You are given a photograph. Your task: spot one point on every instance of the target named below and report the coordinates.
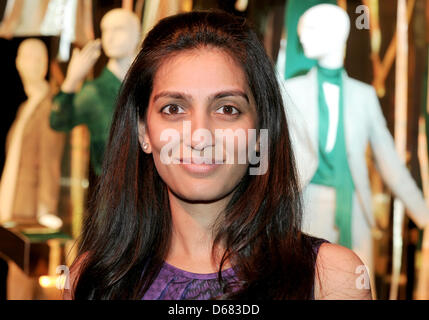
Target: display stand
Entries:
(28, 246)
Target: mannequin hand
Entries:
(80, 63)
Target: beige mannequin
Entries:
(30, 182)
(32, 65)
(120, 36)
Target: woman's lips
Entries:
(199, 166)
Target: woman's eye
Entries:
(172, 109)
(228, 110)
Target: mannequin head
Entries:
(120, 29)
(32, 61)
(323, 31)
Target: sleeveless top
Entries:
(173, 283)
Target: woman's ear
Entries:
(144, 138)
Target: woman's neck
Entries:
(192, 234)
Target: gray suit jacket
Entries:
(364, 123)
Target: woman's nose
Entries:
(201, 130)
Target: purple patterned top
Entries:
(173, 283)
(176, 284)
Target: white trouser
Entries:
(319, 221)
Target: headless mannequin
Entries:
(120, 37)
(324, 40)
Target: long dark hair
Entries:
(127, 236)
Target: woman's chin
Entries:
(200, 193)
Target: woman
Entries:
(185, 229)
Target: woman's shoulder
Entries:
(340, 273)
(316, 243)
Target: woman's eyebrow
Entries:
(217, 95)
(230, 93)
(172, 94)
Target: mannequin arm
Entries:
(80, 64)
(393, 171)
(70, 108)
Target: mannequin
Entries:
(348, 113)
(328, 51)
(94, 103)
(29, 187)
(30, 182)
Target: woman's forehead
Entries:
(199, 70)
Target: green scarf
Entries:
(333, 169)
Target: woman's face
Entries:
(197, 95)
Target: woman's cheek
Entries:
(168, 146)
